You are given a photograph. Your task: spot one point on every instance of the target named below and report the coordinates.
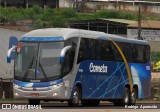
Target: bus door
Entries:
(88, 80)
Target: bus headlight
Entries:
(17, 86)
(55, 86)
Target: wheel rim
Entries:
(76, 97)
(133, 97)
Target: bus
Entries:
(80, 66)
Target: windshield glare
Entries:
(38, 61)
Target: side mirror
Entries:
(13, 42)
(9, 54)
(63, 52)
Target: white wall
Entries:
(152, 36)
(147, 34)
(65, 3)
(123, 7)
(4, 43)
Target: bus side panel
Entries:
(111, 86)
(102, 80)
(87, 80)
(141, 75)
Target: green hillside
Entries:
(55, 17)
(60, 17)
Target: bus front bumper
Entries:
(56, 92)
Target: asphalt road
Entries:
(63, 107)
(101, 106)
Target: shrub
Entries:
(3, 19)
(38, 24)
(129, 16)
(59, 21)
(155, 56)
(107, 14)
(68, 13)
(37, 9)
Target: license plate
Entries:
(34, 94)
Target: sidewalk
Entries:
(26, 101)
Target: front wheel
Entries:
(76, 98)
(33, 101)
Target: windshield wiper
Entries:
(40, 65)
(28, 68)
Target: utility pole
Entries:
(0, 10)
(139, 22)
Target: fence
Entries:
(6, 88)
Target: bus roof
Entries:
(55, 34)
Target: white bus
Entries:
(73, 65)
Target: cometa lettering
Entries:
(97, 68)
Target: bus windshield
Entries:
(38, 62)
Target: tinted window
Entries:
(71, 41)
(92, 49)
(105, 50)
(70, 55)
(135, 53)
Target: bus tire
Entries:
(133, 96)
(126, 96)
(90, 102)
(33, 101)
(125, 100)
(76, 98)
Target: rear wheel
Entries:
(125, 100)
(76, 98)
(133, 96)
(126, 96)
(33, 101)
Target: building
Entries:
(124, 5)
(150, 32)
(126, 28)
(6, 70)
(86, 5)
(112, 26)
(30, 3)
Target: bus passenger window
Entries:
(146, 54)
(94, 50)
(107, 51)
(135, 54)
(84, 50)
(69, 60)
(80, 55)
(97, 50)
(81, 50)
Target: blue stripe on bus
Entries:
(37, 84)
(110, 84)
(59, 38)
